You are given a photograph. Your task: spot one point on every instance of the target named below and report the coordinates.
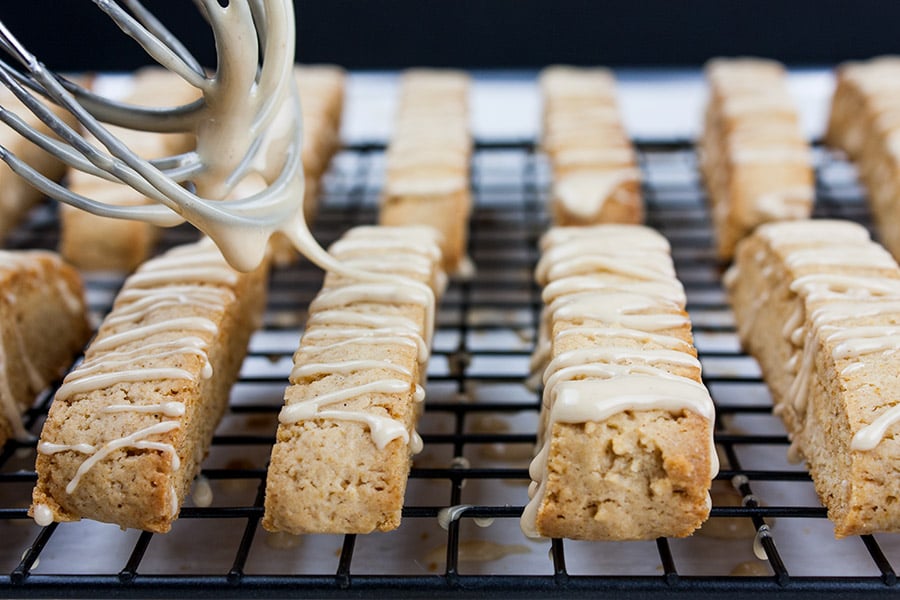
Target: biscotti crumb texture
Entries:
(755, 161)
(128, 428)
(625, 440)
(347, 430)
(818, 304)
(595, 174)
(43, 325)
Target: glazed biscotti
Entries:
(595, 174)
(427, 170)
(865, 124)
(321, 89)
(818, 303)
(43, 326)
(864, 103)
(128, 428)
(347, 430)
(754, 158)
(625, 439)
(91, 242)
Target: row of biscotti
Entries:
(625, 427)
(92, 243)
(865, 124)
(595, 174)
(754, 158)
(426, 178)
(130, 425)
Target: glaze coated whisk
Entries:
(247, 126)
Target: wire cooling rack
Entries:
(479, 430)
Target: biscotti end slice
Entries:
(625, 432)
(632, 476)
(818, 303)
(128, 428)
(94, 243)
(597, 196)
(443, 203)
(347, 430)
(44, 326)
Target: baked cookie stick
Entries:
(865, 124)
(129, 426)
(427, 171)
(342, 454)
(44, 325)
(321, 89)
(625, 440)
(818, 304)
(595, 174)
(754, 158)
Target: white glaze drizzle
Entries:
(830, 301)
(339, 320)
(609, 376)
(122, 353)
(134, 440)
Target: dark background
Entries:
(377, 34)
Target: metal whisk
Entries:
(247, 123)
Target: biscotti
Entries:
(91, 242)
(347, 430)
(427, 169)
(321, 89)
(625, 437)
(754, 158)
(864, 102)
(43, 326)
(818, 303)
(18, 196)
(595, 174)
(865, 124)
(128, 428)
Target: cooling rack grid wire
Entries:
(479, 430)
